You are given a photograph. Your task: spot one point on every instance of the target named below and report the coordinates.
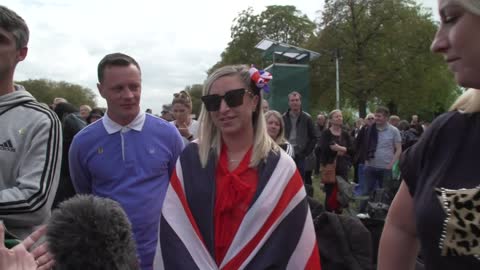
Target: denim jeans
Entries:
(300, 162)
(358, 190)
(373, 178)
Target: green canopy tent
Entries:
(290, 70)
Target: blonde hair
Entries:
(330, 115)
(394, 117)
(209, 138)
(281, 133)
(468, 102)
(86, 107)
(182, 97)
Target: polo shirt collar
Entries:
(113, 127)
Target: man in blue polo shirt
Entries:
(128, 156)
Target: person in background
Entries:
(299, 131)
(276, 130)
(128, 155)
(167, 113)
(85, 111)
(148, 111)
(265, 106)
(57, 101)
(383, 148)
(235, 199)
(337, 147)
(320, 127)
(94, 115)
(359, 123)
(408, 134)
(394, 120)
(360, 145)
(436, 208)
(182, 111)
(72, 123)
(415, 123)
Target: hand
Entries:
(337, 148)
(183, 129)
(17, 258)
(334, 147)
(43, 257)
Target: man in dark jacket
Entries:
(72, 123)
(299, 130)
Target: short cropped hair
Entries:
(294, 94)
(14, 24)
(89, 109)
(383, 110)
(394, 117)
(114, 59)
(88, 232)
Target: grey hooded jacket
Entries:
(30, 158)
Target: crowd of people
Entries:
(233, 189)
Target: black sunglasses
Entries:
(233, 98)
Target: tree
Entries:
(281, 23)
(46, 90)
(385, 57)
(286, 24)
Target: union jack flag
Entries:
(276, 233)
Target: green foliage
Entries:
(385, 57)
(46, 90)
(286, 24)
(281, 23)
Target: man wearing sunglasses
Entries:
(129, 155)
(299, 130)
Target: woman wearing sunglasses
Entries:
(438, 204)
(235, 199)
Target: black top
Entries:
(442, 174)
(306, 134)
(328, 156)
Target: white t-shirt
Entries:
(192, 128)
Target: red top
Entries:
(234, 194)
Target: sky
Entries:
(175, 42)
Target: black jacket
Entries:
(344, 242)
(366, 144)
(306, 134)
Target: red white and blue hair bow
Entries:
(260, 78)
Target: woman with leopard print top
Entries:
(438, 205)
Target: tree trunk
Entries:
(392, 107)
(362, 108)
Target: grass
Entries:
(318, 193)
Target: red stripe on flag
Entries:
(289, 192)
(177, 187)
(314, 260)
